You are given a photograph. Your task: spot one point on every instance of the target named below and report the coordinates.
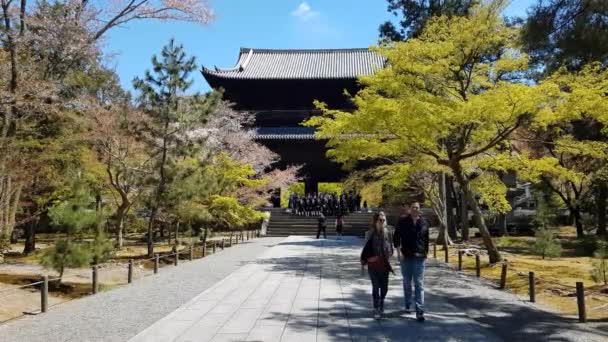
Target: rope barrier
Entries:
(21, 287)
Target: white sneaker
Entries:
(377, 314)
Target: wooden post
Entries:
(156, 262)
(230, 243)
(44, 294)
(191, 256)
(222, 245)
(205, 250)
(477, 266)
(435, 250)
(459, 260)
(532, 287)
(213, 246)
(503, 276)
(95, 280)
(580, 299)
(176, 261)
(130, 277)
(446, 251)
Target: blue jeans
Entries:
(412, 268)
(379, 287)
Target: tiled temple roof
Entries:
(274, 64)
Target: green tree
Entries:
(76, 217)
(414, 14)
(600, 264)
(173, 117)
(546, 244)
(570, 33)
(448, 100)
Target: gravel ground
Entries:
(120, 314)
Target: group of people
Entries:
(314, 204)
(411, 240)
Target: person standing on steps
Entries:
(339, 226)
(322, 225)
(376, 253)
(411, 238)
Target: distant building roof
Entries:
(273, 64)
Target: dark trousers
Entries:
(379, 287)
(322, 228)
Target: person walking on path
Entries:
(322, 225)
(339, 226)
(411, 238)
(376, 253)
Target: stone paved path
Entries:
(312, 290)
(121, 313)
(297, 289)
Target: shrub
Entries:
(546, 245)
(600, 264)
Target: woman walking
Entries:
(376, 253)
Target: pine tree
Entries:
(76, 216)
(546, 245)
(173, 117)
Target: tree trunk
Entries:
(150, 237)
(121, 213)
(30, 237)
(119, 235)
(578, 222)
(464, 217)
(493, 252)
(502, 224)
(452, 207)
(602, 194)
(176, 231)
(443, 238)
(442, 214)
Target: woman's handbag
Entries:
(378, 264)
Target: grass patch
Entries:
(555, 278)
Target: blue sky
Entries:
(254, 23)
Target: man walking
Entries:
(322, 226)
(411, 238)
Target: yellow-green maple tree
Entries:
(445, 101)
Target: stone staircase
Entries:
(284, 224)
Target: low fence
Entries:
(532, 280)
(190, 253)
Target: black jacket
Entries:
(368, 252)
(412, 238)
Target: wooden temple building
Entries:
(280, 86)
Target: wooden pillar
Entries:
(311, 186)
(95, 280)
(130, 275)
(44, 294)
(580, 299)
(156, 262)
(503, 276)
(477, 266)
(460, 260)
(176, 260)
(532, 287)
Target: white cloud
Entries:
(304, 12)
